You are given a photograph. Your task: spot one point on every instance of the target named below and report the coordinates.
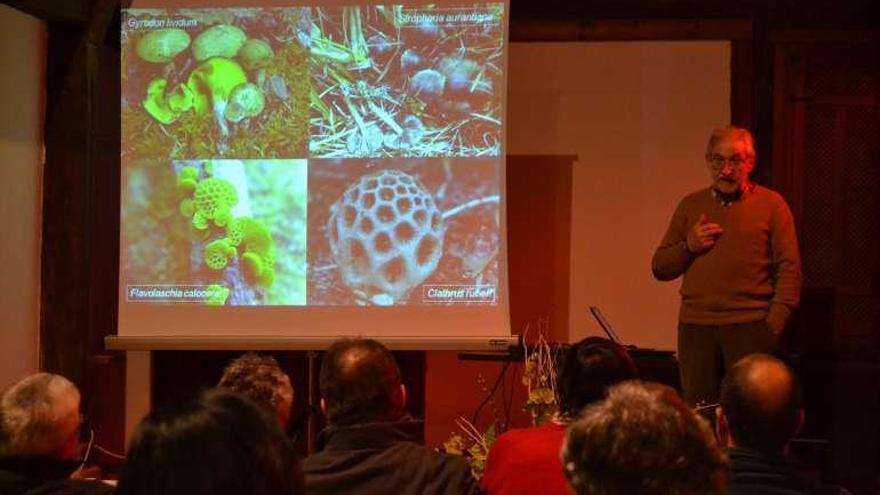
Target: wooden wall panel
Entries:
(538, 241)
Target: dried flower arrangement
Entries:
(539, 378)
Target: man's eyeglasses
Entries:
(718, 161)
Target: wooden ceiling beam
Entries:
(75, 11)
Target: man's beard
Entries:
(729, 196)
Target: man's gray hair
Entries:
(642, 439)
(31, 415)
(734, 133)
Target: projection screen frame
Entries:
(277, 343)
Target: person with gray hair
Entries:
(642, 439)
(40, 416)
(261, 379)
(39, 438)
(734, 245)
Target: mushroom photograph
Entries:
(236, 227)
(228, 83)
(380, 230)
(392, 81)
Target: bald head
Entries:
(360, 383)
(761, 403)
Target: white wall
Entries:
(22, 54)
(638, 115)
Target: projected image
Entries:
(402, 81)
(218, 232)
(215, 83)
(386, 232)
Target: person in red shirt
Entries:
(526, 461)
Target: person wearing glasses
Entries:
(40, 424)
(734, 245)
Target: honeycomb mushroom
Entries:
(386, 235)
(222, 40)
(162, 45)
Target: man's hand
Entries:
(703, 235)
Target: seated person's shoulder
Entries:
(514, 440)
(73, 487)
(414, 451)
(442, 465)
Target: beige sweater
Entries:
(752, 273)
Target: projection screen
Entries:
(313, 170)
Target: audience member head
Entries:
(588, 369)
(642, 439)
(360, 383)
(260, 379)
(760, 405)
(39, 416)
(221, 443)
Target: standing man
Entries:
(735, 244)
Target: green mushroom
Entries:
(180, 99)
(162, 45)
(188, 172)
(166, 109)
(213, 199)
(253, 237)
(245, 101)
(252, 266)
(258, 269)
(217, 295)
(211, 85)
(222, 40)
(255, 54)
(187, 207)
(199, 234)
(187, 180)
(218, 253)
